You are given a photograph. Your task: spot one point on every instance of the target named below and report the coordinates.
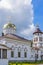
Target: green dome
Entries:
(9, 25)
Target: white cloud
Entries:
(5, 4)
(21, 12)
(29, 30)
(13, 4)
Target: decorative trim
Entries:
(5, 46)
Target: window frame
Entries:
(19, 54)
(25, 54)
(12, 54)
(4, 53)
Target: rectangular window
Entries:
(18, 54)
(25, 54)
(36, 39)
(40, 38)
(36, 56)
(4, 53)
(12, 53)
(40, 44)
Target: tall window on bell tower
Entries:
(35, 39)
(40, 38)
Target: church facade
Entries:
(16, 48)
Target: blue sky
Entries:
(38, 13)
(25, 14)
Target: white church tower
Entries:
(37, 37)
(37, 43)
(9, 28)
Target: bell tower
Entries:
(37, 37)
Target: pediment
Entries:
(15, 37)
(2, 46)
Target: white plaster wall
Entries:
(15, 45)
(3, 61)
(22, 47)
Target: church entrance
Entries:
(3, 53)
(41, 57)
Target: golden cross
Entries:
(9, 18)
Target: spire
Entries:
(9, 19)
(37, 29)
(37, 26)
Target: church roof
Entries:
(37, 30)
(5, 46)
(9, 25)
(15, 37)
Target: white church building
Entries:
(16, 48)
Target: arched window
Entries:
(25, 52)
(19, 52)
(12, 47)
(12, 53)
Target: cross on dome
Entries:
(37, 26)
(37, 30)
(9, 24)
